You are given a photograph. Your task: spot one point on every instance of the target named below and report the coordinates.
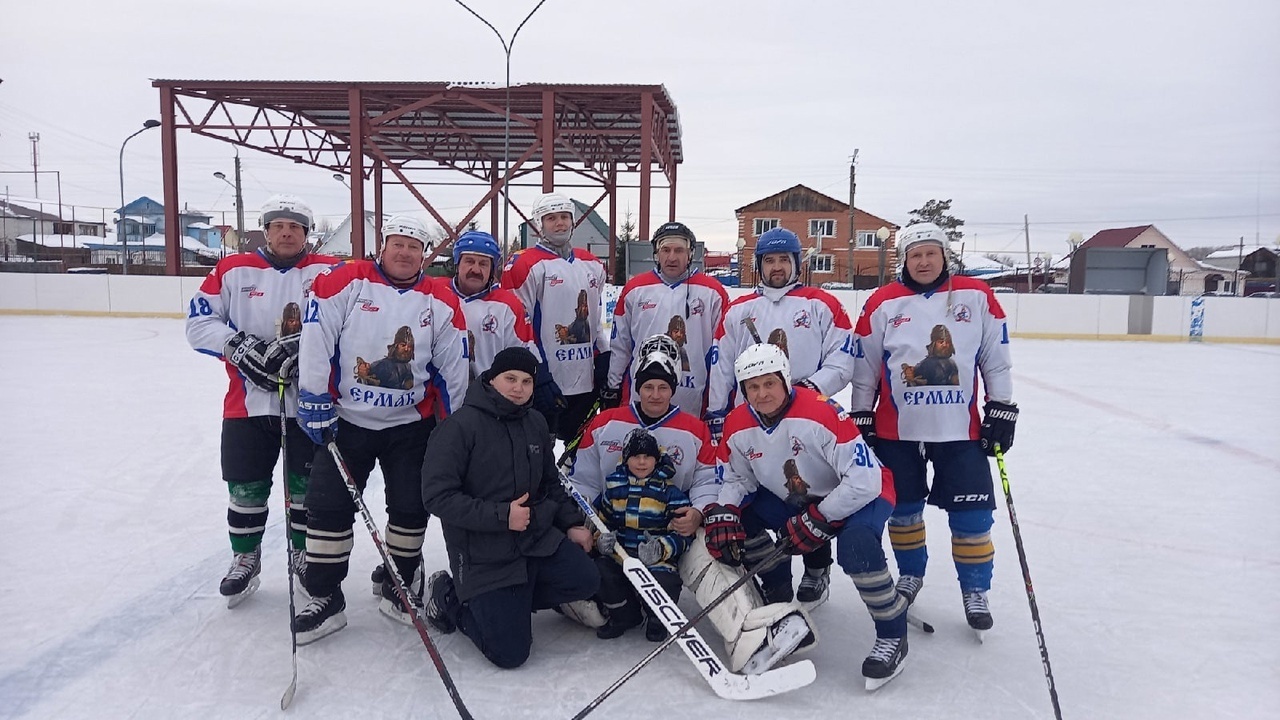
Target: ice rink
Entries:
(1145, 475)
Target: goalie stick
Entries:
(398, 581)
(724, 682)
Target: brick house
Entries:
(822, 223)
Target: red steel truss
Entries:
(419, 134)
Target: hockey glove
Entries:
(807, 384)
(602, 370)
(998, 422)
(285, 349)
(715, 425)
(725, 533)
(665, 469)
(249, 354)
(318, 417)
(866, 422)
(547, 398)
(610, 398)
(606, 543)
(808, 531)
(651, 551)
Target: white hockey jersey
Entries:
(921, 354)
(495, 321)
(810, 326)
(814, 453)
(680, 435)
(689, 311)
(246, 292)
(562, 298)
(389, 355)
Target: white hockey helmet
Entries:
(408, 226)
(286, 207)
(762, 359)
(920, 233)
(548, 204)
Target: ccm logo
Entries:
(979, 497)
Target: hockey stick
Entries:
(750, 322)
(398, 581)
(726, 683)
(1026, 578)
(571, 448)
(287, 698)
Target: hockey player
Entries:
(638, 504)
(814, 332)
(496, 319)
(922, 342)
(676, 299)
(847, 495)
(245, 314)
(682, 436)
(515, 540)
(357, 309)
(560, 288)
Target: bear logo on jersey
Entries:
(797, 447)
(489, 324)
(801, 319)
(425, 317)
(962, 313)
(938, 367)
(697, 307)
(675, 453)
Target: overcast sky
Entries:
(1082, 115)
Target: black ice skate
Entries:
(442, 602)
(887, 658)
(320, 617)
(977, 613)
(814, 587)
(241, 580)
(377, 577)
(778, 593)
(908, 587)
(391, 605)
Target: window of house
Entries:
(868, 239)
(822, 228)
(764, 225)
(823, 263)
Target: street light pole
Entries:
(506, 125)
(122, 234)
(239, 201)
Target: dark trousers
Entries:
(620, 596)
(500, 621)
(859, 547)
(331, 511)
(573, 416)
(250, 448)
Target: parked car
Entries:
(1001, 289)
(1265, 294)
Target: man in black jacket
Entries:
(516, 541)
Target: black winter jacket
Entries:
(486, 454)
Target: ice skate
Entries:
(779, 593)
(320, 617)
(908, 587)
(241, 580)
(442, 602)
(814, 587)
(586, 612)
(391, 605)
(888, 657)
(978, 613)
(377, 577)
(783, 639)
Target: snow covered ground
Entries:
(1145, 475)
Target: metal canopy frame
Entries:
(419, 134)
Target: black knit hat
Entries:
(655, 371)
(512, 358)
(641, 442)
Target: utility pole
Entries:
(853, 186)
(239, 202)
(1026, 232)
(1235, 276)
(34, 137)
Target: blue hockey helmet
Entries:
(780, 240)
(476, 242)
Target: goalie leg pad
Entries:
(707, 578)
(769, 635)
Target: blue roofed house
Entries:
(143, 218)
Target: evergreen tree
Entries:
(938, 213)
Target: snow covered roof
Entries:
(52, 241)
(200, 226)
(154, 242)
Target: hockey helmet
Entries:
(286, 207)
(762, 359)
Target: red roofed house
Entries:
(822, 222)
(1187, 276)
